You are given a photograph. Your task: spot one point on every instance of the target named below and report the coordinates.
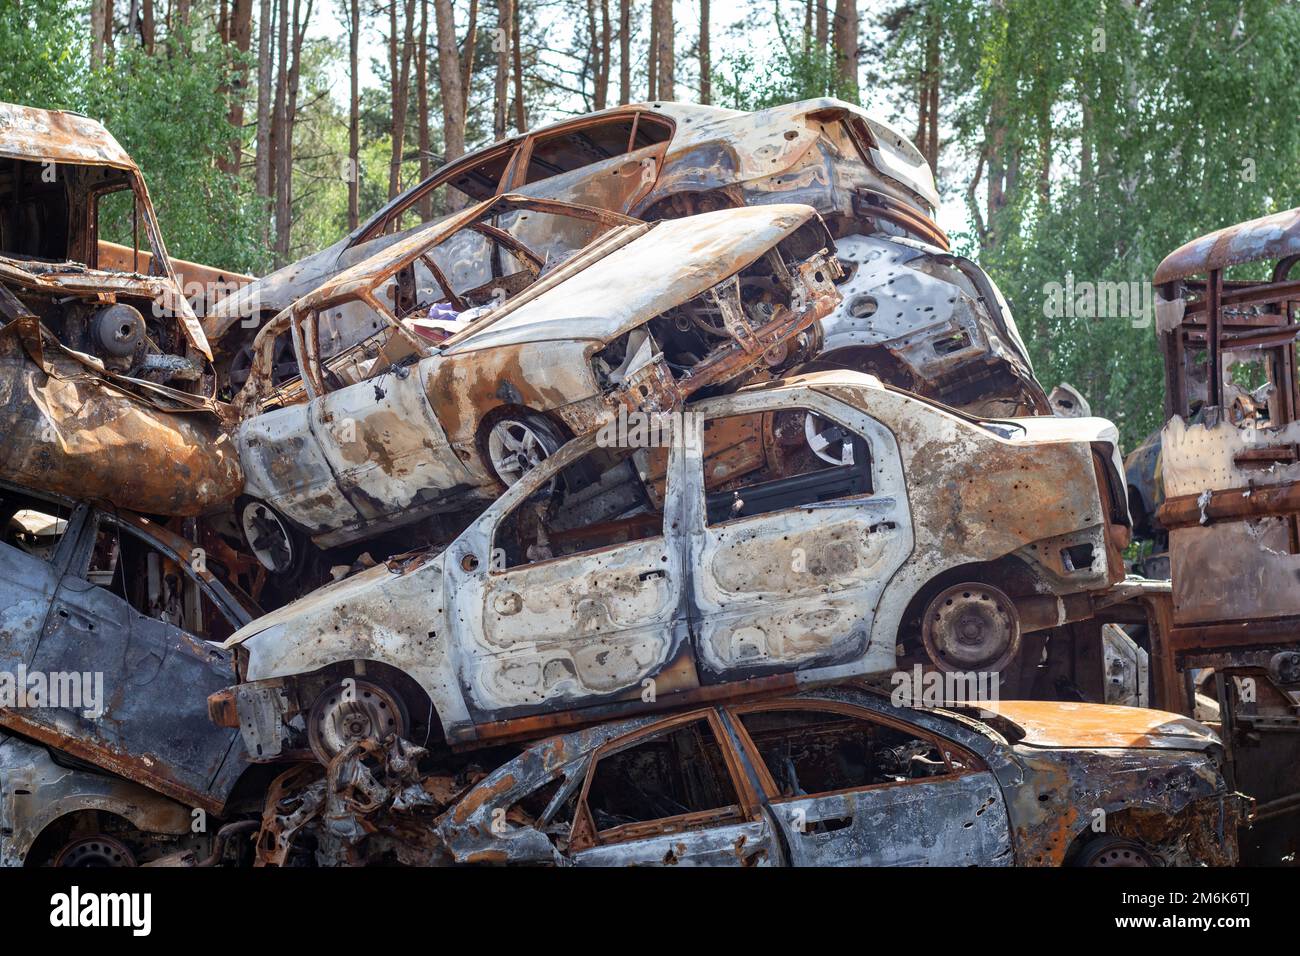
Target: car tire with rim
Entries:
(515, 443)
(351, 710)
(1114, 852)
(278, 545)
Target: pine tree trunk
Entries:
(354, 114)
(99, 15)
(501, 80)
(449, 82)
(422, 106)
(666, 87)
(399, 62)
(652, 54)
(706, 80)
(521, 114)
(147, 31)
(625, 51)
(265, 52)
(845, 36)
(241, 36)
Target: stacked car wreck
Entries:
(678, 432)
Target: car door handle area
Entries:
(828, 825)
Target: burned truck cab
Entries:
(1226, 316)
(103, 363)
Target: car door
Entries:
(113, 632)
(610, 163)
(383, 443)
(798, 519)
(670, 794)
(568, 591)
(847, 787)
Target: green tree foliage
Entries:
(796, 69)
(42, 52)
(1124, 130)
(169, 112)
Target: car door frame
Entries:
(887, 506)
(469, 566)
(973, 765)
(749, 826)
(517, 172)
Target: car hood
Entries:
(357, 588)
(670, 264)
(1065, 725)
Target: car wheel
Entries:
(353, 710)
(277, 545)
(1114, 851)
(97, 851)
(516, 444)
(971, 627)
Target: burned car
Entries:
(912, 312)
(432, 410)
(108, 631)
(101, 367)
(835, 776)
(794, 531)
(58, 811)
(840, 777)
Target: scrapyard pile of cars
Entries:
(581, 507)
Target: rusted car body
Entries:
(1231, 477)
(384, 431)
(912, 312)
(837, 776)
(100, 369)
(52, 813)
(88, 594)
(790, 532)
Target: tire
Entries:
(354, 709)
(513, 443)
(1114, 852)
(278, 546)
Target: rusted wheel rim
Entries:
(94, 851)
(350, 711)
(268, 536)
(971, 627)
(514, 448)
(1122, 853)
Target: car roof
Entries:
(34, 135)
(1264, 239)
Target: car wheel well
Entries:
(1009, 574)
(426, 725)
(58, 832)
(1123, 820)
(553, 426)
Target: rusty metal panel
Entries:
(73, 435)
(37, 135)
(1275, 236)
